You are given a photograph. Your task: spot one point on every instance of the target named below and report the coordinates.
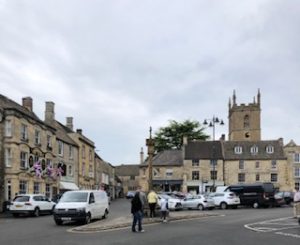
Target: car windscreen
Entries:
(21, 199)
(74, 197)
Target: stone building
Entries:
(105, 176)
(292, 152)
(167, 171)
(27, 154)
(129, 176)
(256, 161)
(65, 150)
(86, 159)
(203, 166)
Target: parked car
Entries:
(130, 194)
(173, 203)
(284, 197)
(255, 195)
(200, 202)
(225, 199)
(33, 204)
(83, 205)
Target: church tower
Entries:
(244, 120)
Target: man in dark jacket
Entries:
(137, 212)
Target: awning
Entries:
(167, 182)
(68, 186)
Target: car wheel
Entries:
(58, 222)
(105, 214)
(223, 205)
(200, 207)
(255, 205)
(87, 218)
(36, 212)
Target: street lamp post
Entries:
(212, 123)
(150, 145)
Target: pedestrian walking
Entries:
(296, 207)
(142, 196)
(137, 213)
(152, 200)
(164, 209)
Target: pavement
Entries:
(126, 221)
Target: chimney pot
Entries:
(49, 112)
(79, 131)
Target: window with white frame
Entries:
(195, 163)
(241, 164)
(274, 177)
(60, 148)
(22, 187)
(37, 137)
(213, 163)
(297, 157)
(297, 172)
(238, 150)
(91, 171)
(70, 170)
(24, 132)
(254, 149)
(83, 151)
(90, 154)
(23, 160)
(49, 143)
(8, 128)
(241, 177)
(48, 191)
(169, 172)
(270, 149)
(71, 152)
(257, 177)
(195, 175)
(8, 157)
(274, 164)
(83, 169)
(36, 188)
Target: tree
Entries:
(171, 136)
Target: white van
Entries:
(83, 205)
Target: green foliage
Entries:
(171, 136)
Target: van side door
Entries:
(92, 205)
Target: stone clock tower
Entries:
(244, 120)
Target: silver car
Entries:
(200, 202)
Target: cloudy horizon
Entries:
(118, 67)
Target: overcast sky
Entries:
(119, 66)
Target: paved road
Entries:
(241, 226)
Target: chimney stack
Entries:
(27, 103)
(49, 113)
(70, 123)
(79, 131)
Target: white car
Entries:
(33, 204)
(225, 199)
(173, 203)
(200, 202)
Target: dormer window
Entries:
(254, 149)
(270, 149)
(238, 150)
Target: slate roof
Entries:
(166, 158)
(62, 133)
(199, 149)
(247, 155)
(9, 104)
(127, 170)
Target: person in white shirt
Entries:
(296, 208)
(164, 209)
